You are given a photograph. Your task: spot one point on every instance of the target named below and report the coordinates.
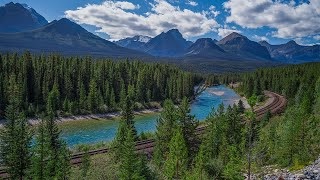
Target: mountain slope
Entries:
(204, 46)
(291, 52)
(169, 44)
(15, 17)
(65, 37)
(242, 47)
(135, 42)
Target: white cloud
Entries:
(260, 38)
(289, 20)
(192, 3)
(119, 21)
(223, 32)
(213, 11)
(316, 37)
(126, 5)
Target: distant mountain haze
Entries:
(167, 44)
(241, 46)
(15, 17)
(291, 52)
(136, 42)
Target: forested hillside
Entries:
(85, 85)
(291, 140)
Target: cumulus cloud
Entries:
(260, 38)
(290, 20)
(223, 32)
(214, 11)
(118, 19)
(192, 3)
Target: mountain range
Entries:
(22, 28)
(19, 17)
(292, 52)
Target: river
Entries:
(104, 130)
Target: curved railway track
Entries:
(277, 105)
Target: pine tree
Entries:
(15, 136)
(39, 169)
(188, 124)
(128, 116)
(177, 161)
(129, 162)
(241, 107)
(85, 165)
(56, 155)
(166, 124)
(112, 102)
(92, 96)
(82, 98)
(250, 116)
(53, 101)
(233, 168)
(200, 162)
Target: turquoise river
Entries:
(104, 130)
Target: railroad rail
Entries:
(276, 105)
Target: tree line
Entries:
(86, 85)
(293, 138)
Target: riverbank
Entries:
(112, 115)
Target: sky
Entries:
(276, 21)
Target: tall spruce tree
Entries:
(188, 124)
(177, 161)
(166, 124)
(15, 137)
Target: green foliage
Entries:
(51, 157)
(233, 168)
(166, 124)
(15, 137)
(241, 107)
(176, 165)
(188, 124)
(90, 85)
(85, 165)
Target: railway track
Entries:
(276, 106)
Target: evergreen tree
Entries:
(241, 107)
(233, 168)
(15, 136)
(53, 101)
(200, 163)
(177, 161)
(82, 98)
(92, 96)
(39, 168)
(250, 116)
(131, 167)
(128, 116)
(188, 124)
(166, 124)
(112, 99)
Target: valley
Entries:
(159, 90)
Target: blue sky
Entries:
(275, 21)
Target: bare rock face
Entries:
(311, 172)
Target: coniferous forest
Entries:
(85, 85)
(233, 143)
